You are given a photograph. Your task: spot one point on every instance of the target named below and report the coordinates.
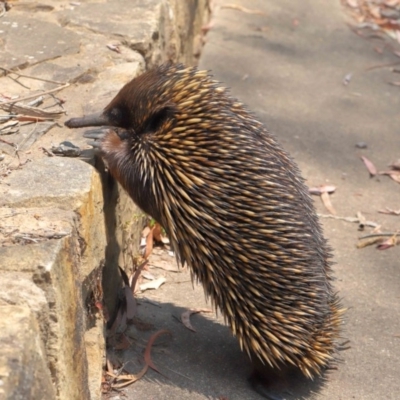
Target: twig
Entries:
(19, 83)
(9, 143)
(389, 211)
(35, 95)
(379, 235)
(48, 152)
(349, 219)
(382, 66)
(31, 111)
(31, 77)
(379, 238)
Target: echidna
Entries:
(236, 210)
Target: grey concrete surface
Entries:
(287, 65)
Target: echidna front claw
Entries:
(97, 135)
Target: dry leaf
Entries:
(394, 174)
(153, 284)
(388, 243)
(114, 47)
(149, 244)
(327, 202)
(157, 232)
(185, 316)
(147, 355)
(131, 378)
(370, 166)
(146, 231)
(135, 277)
(131, 305)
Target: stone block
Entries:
(68, 184)
(26, 41)
(23, 370)
(43, 247)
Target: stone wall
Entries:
(65, 225)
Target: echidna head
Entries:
(165, 123)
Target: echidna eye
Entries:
(117, 116)
(156, 120)
(123, 134)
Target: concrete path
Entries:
(288, 66)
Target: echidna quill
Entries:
(236, 210)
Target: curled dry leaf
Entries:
(185, 316)
(370, 166)
(128, 378)
(147, 352)
(326, 200)
(323, 191)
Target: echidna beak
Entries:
(98, 119)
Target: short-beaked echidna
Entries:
(235, 207)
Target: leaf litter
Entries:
(155, 247)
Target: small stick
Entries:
(19, 83)
(35, 95)
(31, 77)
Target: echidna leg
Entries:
(270, 383)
